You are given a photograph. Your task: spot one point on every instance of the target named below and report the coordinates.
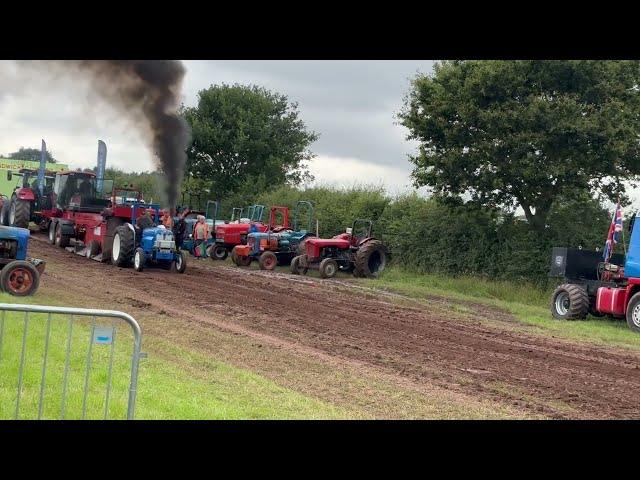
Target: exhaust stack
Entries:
(43, 164)
(100, 168)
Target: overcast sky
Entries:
(350, 104)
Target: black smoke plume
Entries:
(147, 92)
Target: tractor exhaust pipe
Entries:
(100, 167)
(43, 164)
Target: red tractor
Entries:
(26, 202)
(92, 219)
(361, 254)
(228, 235)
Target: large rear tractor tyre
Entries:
(243, 261)
(181, 262)
(633, 313)
(328, 268)
(371, 258)
(19, 213)
(62, 240)
(138, 260)
(297, 267)
(569, 302)
(268, 261)
(123, 247)
(218, 252)
(19, 278)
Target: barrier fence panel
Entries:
(67, 363)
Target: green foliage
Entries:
(526, 132)
(151, 184)
(241, 133)
(32, 154)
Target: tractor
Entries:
(138, 241)
(363, 255)
(27, 203)
(228, 235)
(157, 247)
(593, 286)
(19, 275)
(279, 244)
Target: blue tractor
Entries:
(19, 275)
(280, 243)
(142, 243)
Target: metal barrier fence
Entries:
(89, 322)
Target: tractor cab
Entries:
(79, 191)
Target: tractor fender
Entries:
(133, 230)
(25, 194)
(66, 227)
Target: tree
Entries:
(242, 132)
(32, 154)
(525, 133)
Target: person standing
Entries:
(200, 236)
(180, 230)
(167, 220)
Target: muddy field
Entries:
(463, 348)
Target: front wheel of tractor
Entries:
(138, 260)
(181, 262)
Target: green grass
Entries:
(528, 303)
(174, 382)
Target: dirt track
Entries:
(485, 354)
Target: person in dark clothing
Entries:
(180, 230)
(145, 221)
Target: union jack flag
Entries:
(615, 232)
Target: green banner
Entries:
(6, 186)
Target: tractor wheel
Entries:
(138, 260)
(633, 313)
(268, 261)
(357, 273)
(19, 213)
(52, 232)
(181, 262)
(371, 258)
(234, 256)
(123, 247)
(62, 240)
(19, 278)
(243, 261)
(296, 266)
(569, 302)
(93, 249)
(218, 252)
(328, 268)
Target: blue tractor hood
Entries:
(20, 235)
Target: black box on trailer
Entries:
(576, 264)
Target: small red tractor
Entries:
(361, 254)
(228, 235)
(260, 241)
(27, 202)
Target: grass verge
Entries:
(528, 303)
(174, 382)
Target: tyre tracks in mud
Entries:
(482, 353)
